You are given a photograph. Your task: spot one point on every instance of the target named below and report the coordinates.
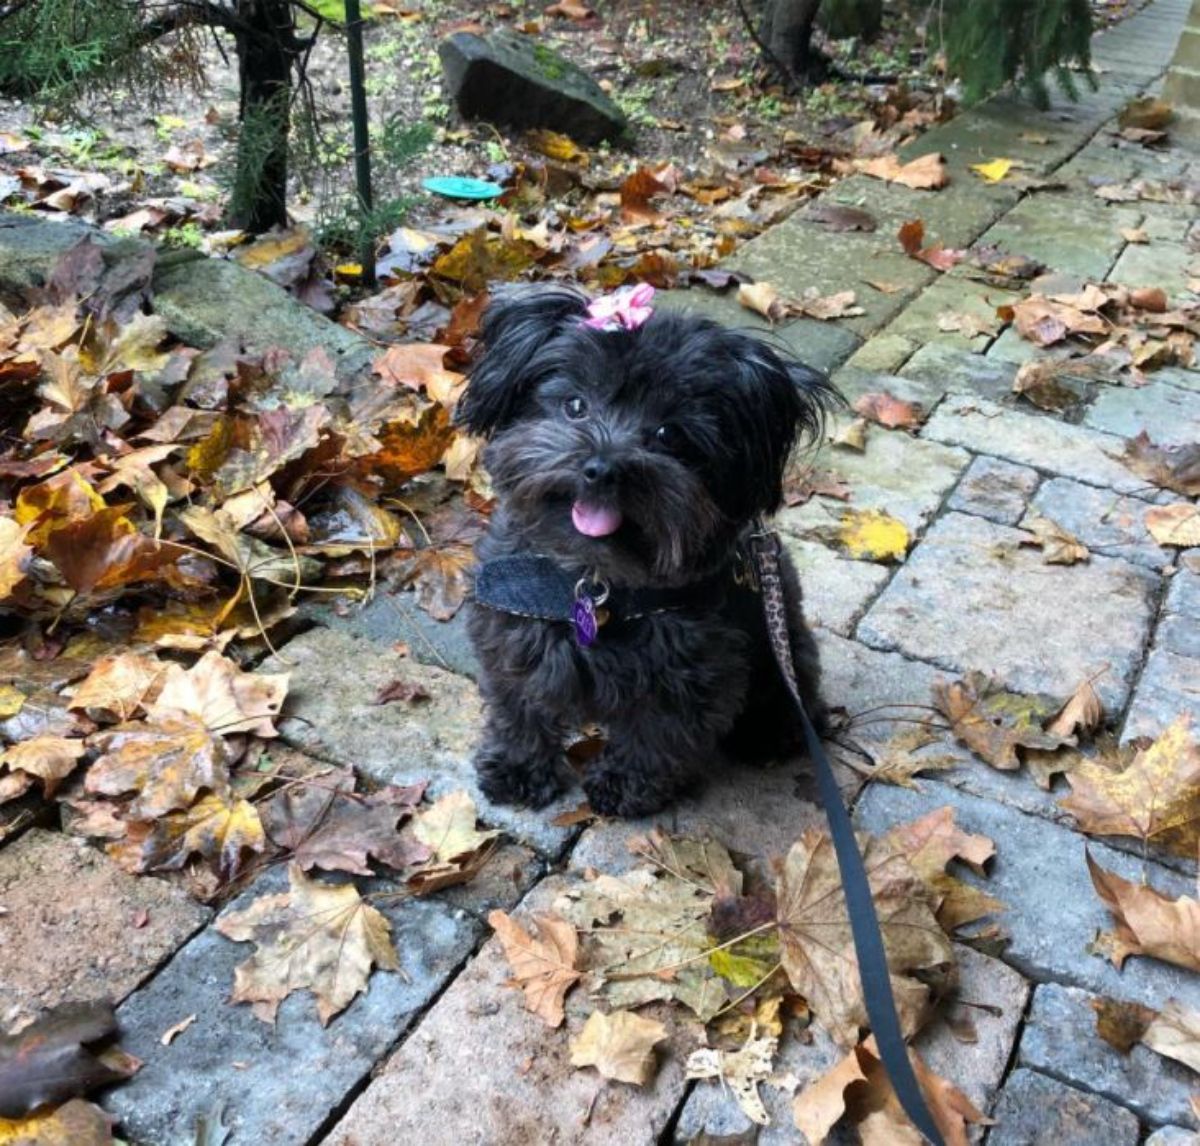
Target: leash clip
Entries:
(587, 614)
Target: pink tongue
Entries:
(592, 521)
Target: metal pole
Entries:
(362, 137)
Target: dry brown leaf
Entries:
(1155, 797)
(1177, 525)
(1147, 922)
(117, 686)
(1083, 712)
(643, 185)
(931, 842)
(50, 758)
(543, 961)
(1044, 383)
(1121, 1024)
(818, 948)
(318, 937)
(912, 238)
(1134, 235)
(223, 697)
(14, 555)
(1175, 468)
(827, 307)
(994, 723)
(895, 763)
(764, 299)
(75, 1123)
(1044, 321)
(457, 847)
(888, 410)
(1058, 546)
(1175, 1033)
(852, 436)
(419, 366)
(740, 1071)
(927, 173)
(620, 1046)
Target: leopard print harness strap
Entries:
(864, 923)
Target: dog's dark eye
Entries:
(575, 407)
(667, 437)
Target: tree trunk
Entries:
(265, 57)
(787, 31)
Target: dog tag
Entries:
(583, 617)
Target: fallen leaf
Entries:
(993, 172)
(1149, 298)
(888, 410)
(895, 763)
(1176, 468)
(1058, 546)
(1175, 1033)
(419, 366)
(1147, 922)
(824, 308)
(994, 723)
(317, 936)
(50, 758)
(571, 10)
(117, 686)
(1177, 525)
(839, 217)
(458, 849)
(543, 961)
(1083, 712)
(1043, 382)
(643, 185)
(403, 690)
(1044, 321)
(619, 1045)
(555, 145)
(941, 258)
(1146, 112)
(223, 697)
(173, 1032)
(740, 1070)
(872, 535)
(818, 948)
(852, 436)
(221, 828)
(14, 555)
(1121, 1024)
(927, 173)
(1155, 797)
(1134, 235)
(75, 1123)
(764, 299)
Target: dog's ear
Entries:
(517, 324)
(781, 400)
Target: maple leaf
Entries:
(218, 827)
(220, 695)
(543, 961)
(1083, 712)
(818, 948)
(14, 555)
(1147, 922)
(117, 686)
(1177, 525)
(993, 172)
(740, 1070)
(858, 1087)
(894, 762)
(133, 469)
(941, 258)
(458, 848)
(853, 436)
(48, 1061)
(419, 366)
(1044, 321)
(888, 410)
(1058, 546)
(50, 758)
(1175, 1033)
(926, 173)
(318, 937)
(166, 762)
(619, 1045)
(643, 185)
(994, 723)
(106, 551)
(1154, 797)
(1175, 468)
(324, 824)
(1121, 1024)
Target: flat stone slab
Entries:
(1065, 232)
(836, 591)
(75, 927)
(1106, 522)
(952, 299)
(280, 1083)
(995, 489)
(481, 1068)
(971, 597)
(1172, 1136)
(882, 354)
(1166, 265)
(1168, 687)
(901, 475)
(1169, 414)
(1179, 626)
(1045, 444)
(947, 369)
(1053, 913)
(1060, 1038)
(1034, 1110)
(331, 713)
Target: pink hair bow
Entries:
(626, 308)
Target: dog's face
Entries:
(638, 454)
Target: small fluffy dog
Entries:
(631, 453)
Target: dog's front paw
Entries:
(615, 792)
(506, 781)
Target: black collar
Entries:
(532, 585)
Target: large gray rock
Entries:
(1034, 1110)
(517, 80)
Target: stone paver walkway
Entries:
(446, 1053)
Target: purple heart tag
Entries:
(583, 617)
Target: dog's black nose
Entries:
(597, 470)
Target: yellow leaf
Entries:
(994, 171)
(1177, 524)
(620, 1046)
(872, 535)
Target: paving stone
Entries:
(1178, 376)
(883, 354)
(823, 345)
(1106, 522)
(480, 1068)
(1172, 230)
(280, 1083)
(1065, 232)
(1166, 265)
(994, 489)
(1039, 871)
(1173, 1136)
(1048, 445)
(1169, 414)
(1060, 1039)
(852, 383)
(75, 927)
(331, 712)
(509, 873)
(836, 591)
(948, 298)
(971, 597)
(897, 473)
(1100, 162)
(796, 256)
(1169, 687)
(950, 370)
(391, 616)
(1011, 347)
(1034, 1110)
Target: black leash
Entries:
(864, 923)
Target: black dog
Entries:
(631, 456)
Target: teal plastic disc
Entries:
(458, 187)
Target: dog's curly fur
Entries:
(684, 428)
